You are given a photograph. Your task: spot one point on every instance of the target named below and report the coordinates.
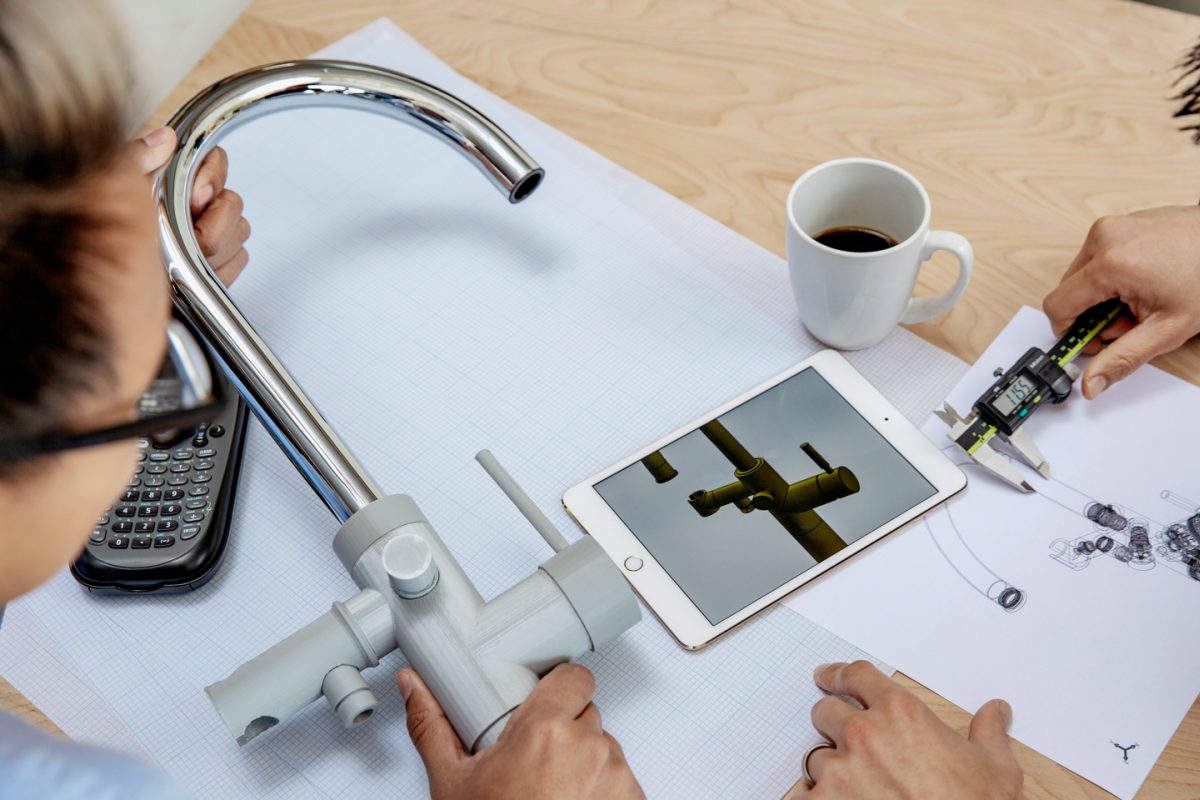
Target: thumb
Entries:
(1148, 339)
(153, 150)
(430, 731)
(989, 726)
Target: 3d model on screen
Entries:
(480, 659)
(759, 487)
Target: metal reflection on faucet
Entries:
(480, 659)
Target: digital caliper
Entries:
(1020, 390)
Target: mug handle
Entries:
(921, 309)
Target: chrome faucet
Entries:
(480, 659)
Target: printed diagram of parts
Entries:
(759, 487)
(1136, 542)
(954, 548)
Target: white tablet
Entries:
(719, 519)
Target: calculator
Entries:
(169, 529)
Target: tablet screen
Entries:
(749, 501)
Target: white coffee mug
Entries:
(851, 300)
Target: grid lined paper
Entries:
(429, 319)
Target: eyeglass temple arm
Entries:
(284, 408)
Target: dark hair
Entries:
(62, 123)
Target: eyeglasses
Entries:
(181, 397)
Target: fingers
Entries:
(829, 715)
(591, 718)
(858, 679)
(153, 150)
(1115, 329)
(1077, 293)
(234, 240)
(221, 230)
(430, 731)
(817, 762)
(989, 727)
(565, 692)
(1144, 341)
(210, 179)
(229, 271)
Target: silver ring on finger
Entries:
(808, 778)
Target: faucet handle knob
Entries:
(408, 561)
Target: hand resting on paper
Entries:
(221, 230)
(895, 747)
(553, 746)
(1149, 259)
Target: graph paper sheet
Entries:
(428, 318)
(1099, 662)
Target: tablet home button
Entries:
(633, 563)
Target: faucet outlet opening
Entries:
(526, 186)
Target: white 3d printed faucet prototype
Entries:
(480, 659)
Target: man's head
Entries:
(83, 299)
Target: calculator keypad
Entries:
(165, 501)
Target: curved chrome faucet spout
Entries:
(276, 398)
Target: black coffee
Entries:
(854, 239)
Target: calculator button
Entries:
(182, 454)
(167, 524)
(143, 442)
(141, 542)
(135, 481)
(141, 456)
(130, 497)
(156, 469)
(139, 469)
(118, 542)
(207, 452)
(154, 480)
(125, 511)
(205, 464)
(122, 526)
(173, 494)
(144, 526)
(98, 536)
(189, 531)
(202, 477)
(104, 520)
(171, 510)
(198, 502)
(193, 516)
(163, 540)
(184, 467)
(198, 491)
(159, 455)
(177, 480)
(216, 431)
(151, 496)
(148, 511)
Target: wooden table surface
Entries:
(1024, 119)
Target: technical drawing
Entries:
(1118, 532)
(759, 487)
(1124, 750)
(954, 548)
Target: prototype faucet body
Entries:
(480, 659)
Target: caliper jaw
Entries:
(987, 457)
